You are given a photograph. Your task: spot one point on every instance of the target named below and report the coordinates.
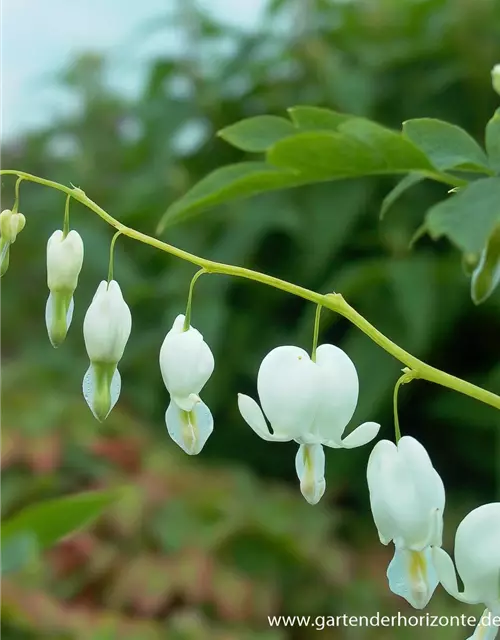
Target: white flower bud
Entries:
(407, 498)
(107, 324)
(186, 364)
(64, 260)
(11, 224)
(106, 330)
(64, 263)
(495, 78)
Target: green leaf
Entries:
(317, 118)
(492, 139)
(468, 217)
(393, 195)
(17, 551)
(51, 520)
(229, 183)
(446, 145)
(486, 276)
(257, 134)
(360, 147)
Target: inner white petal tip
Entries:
(313, 491)
(187, 403)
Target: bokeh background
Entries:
(207, 547)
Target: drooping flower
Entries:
(407, 499)
(64, 263)
(11, 224)
(309, 402)
(106, 330)
(477, 559)
(186, 364)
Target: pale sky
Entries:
(39, 37)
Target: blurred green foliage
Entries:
(389, 60)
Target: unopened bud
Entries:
(11, 224)
(106, 330)
(64, 263)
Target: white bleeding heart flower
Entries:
(186, 364)
(477, 559)
(407, 499)
(106, 330)
(64, 263)
(11, 223)
(309, 402)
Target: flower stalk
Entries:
(333, 301)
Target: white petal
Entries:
(310, 467)
(360, 436)
(486, 629)
(412, 576)
(400, 496)
(381, 453)
(186, 362)
(189, 429)
(89, 388)
(253, 416)
(186, 403)
(64, 261)
(448, 577)
(430, 487)
(477, 553)
(288, 385)
(55, 339)
(107, 324)
(339, 396)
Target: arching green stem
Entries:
(187, 317)
(66, 217)
(406, 377)
(111, 256)
(317, 318)
(15, 207)
(333, 301)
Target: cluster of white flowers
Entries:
(407, 498)
(106, 327)
(309, 400)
